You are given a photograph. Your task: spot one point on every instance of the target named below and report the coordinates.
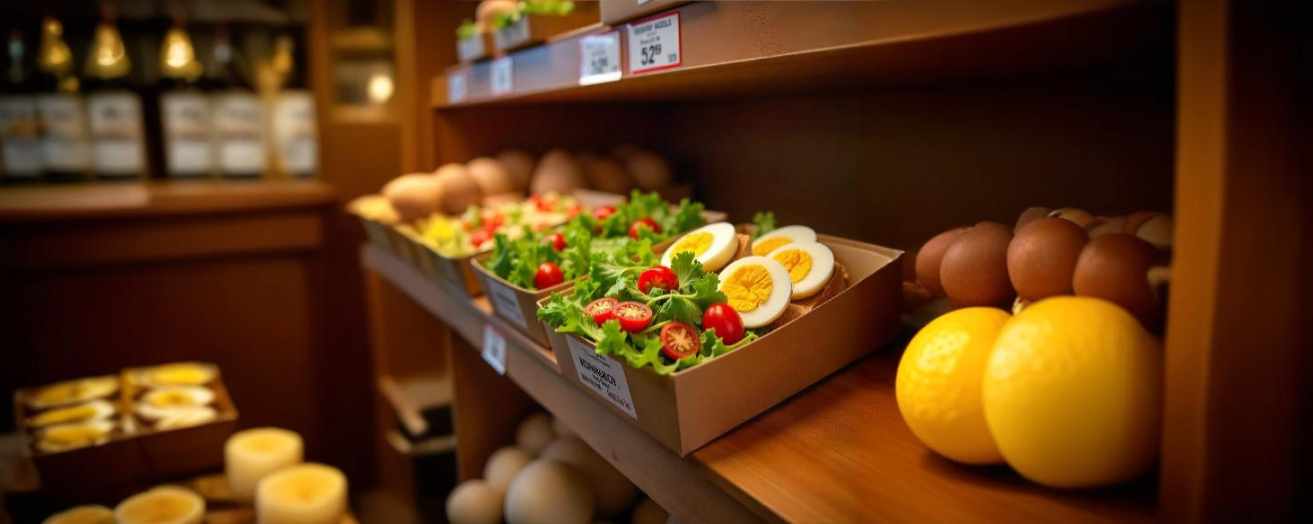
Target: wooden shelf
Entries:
(142, 199)
(836, 452)
(753, 48)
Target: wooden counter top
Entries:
(144, 199)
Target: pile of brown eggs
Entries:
(1122, 259)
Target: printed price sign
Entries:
(501, 75)
(456, 86)
(599, 58)
(494, 349)
(654, 44)
(601, 374)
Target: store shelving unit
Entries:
(890, 122)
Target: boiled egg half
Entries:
(713, 245)
(186, 416)
(94, 410)
(74, 391)
(810, 266)
(69, 436)
(768, 242)
(163, 402)
(180, 374)
(758, 288)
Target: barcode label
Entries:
(599, 58)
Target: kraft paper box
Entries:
(688, 409)
(536, 29)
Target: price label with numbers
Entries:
(494, 349)
(501, 75)
(599, 58)
(654, 44)
(456, 86)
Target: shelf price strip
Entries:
(494, 349)
(455, 86)
(654, 44)
(502, 75)
(601, 374)
(599, 58)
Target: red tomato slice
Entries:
(548, 275)
(602, 309)
(679, 340)
(480, 237)
(633, 316)
(725, 321)
(603, 212)
(657, 276)
(641, 223)
(557, 241)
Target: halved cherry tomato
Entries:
(641, 223)
(480, 237)
(602, 309)
(543, 202)
(725, 321)
(679, 340)
(556, 240)
(633, 316)
(657, 276)
(548, 275)
(574, 210)
(602, 213)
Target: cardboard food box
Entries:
(136, 456)
(517, 305)
(616, 11)
(474, 48)
(536, 29)
(689, 408)
(453, 273)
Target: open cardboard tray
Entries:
(519, 306)
(136, 456)
(689, 408)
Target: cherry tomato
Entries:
(548, 275)
(603, 212)
(679, 340)
(641, 223)
(574, 210)
(726, 322)
(480, 237)
(633, 316)
(492, 220)
(556, 240)
(657, 276)
(602, 309)
(543, 202)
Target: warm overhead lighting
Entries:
(380, 88)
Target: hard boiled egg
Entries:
(68, 436)
(94, 410)
(713, 245)
(785, 235)
(163, 402)
(758, 288)
(810, 266)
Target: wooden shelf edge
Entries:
(158, 198)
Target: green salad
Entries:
(647, 216)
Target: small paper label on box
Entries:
(455, 86)
(470, 48)
(602, 374)
(512, 35)
(494, 349)
(502, 69)
(654, 44)
(503, 300)
(599, 58)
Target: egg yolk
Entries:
(765, 246)
(797, 261)
(697, 243)
(748, 288)
(73, 434)
(170, 399)
(183, 374)
(65, 415)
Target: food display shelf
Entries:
(836, 452)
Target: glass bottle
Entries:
(61, 111)
(20, 141)
(114, 106)
(184, 109)
(238, 113)
(294, 116)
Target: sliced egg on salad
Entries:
(94, 410)
(162, 402)
(810, 266)
(713, 245)
(768, 242)
(758, 288)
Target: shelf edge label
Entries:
(494, 349)
(502, 75)
(654, 44)
(456, 86)
(604, 375)
(505, 302)
(599, 58)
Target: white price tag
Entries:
(456, 86)
(654, 44)
(504, 301)
(502, 75)
(599, 58)
(602, 374)
(494, 349)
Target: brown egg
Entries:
(929, 258)
(557, 172)
(459, 190)
(1081, 217)
(1154, 228)
(974, 270)
(1042, 257)
(606, 174)
(1115, 267)
(414, 196)
(1106, 225)
(649, 170)
(519, 165)
(1031, 213)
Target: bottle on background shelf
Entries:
(114, 108)
(238, 113)
(20, 139)
(185, 111)
(294, 117)
(61, 112)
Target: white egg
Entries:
(713, 245)
(810, 265)
(784, 235)
(186, 416)
(163, 402)
(758, 288)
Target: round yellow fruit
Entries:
(1073, 393)
(938, 384)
